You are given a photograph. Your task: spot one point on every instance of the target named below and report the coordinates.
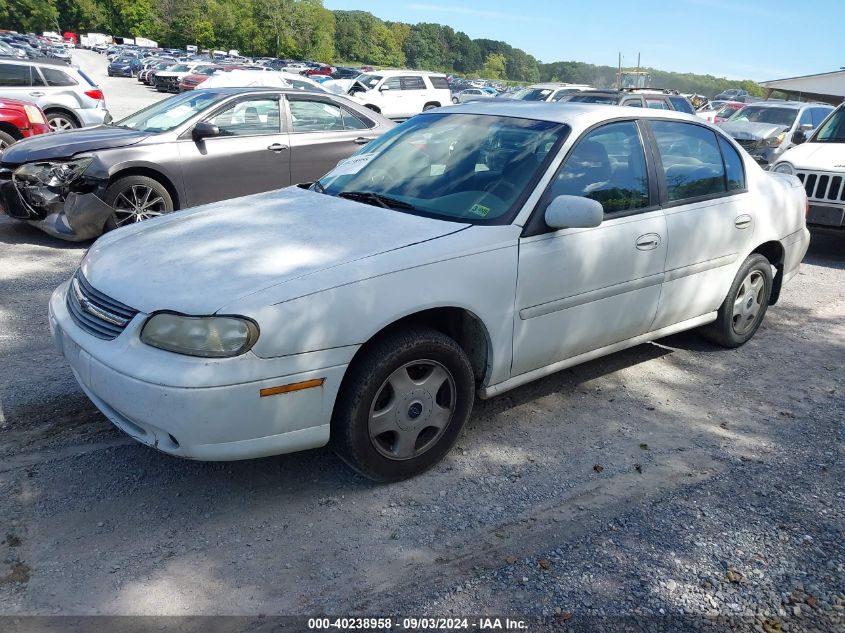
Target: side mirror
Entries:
(799, 136)
(574, 212)
(807, 127)
(204, 129)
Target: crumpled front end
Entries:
(57, 198)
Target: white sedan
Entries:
(466, 252)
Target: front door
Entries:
(251, 154)
(583, 289)
(322, 133)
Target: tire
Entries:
(421, 417)
(743, 309)
(6, 139)
(430, 106)
(455, 100)
(59, 121)
(124, 192)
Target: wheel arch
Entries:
(435, 104)
(149, 172)
(11, 130)
(373, 107)
(774, 252)
(62, 110)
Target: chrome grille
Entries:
(94, 312)
(823, 187)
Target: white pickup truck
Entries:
(819, 162)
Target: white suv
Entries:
(400, 94)
(819, 163)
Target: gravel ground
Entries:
(673, 485)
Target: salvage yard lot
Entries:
(674, 476)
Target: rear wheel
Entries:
(60, 121)
(743, 309)
(430, 106)
(134, 199)
(403, 404)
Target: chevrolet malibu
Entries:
(464, 253)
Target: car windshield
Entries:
(833, 129)
(368, 80)
(460, 167)
(758, 114)
(169, 113)
(532, 94)
(727, 111)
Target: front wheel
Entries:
(136, 198)
(403, 404)
(59, 121)
(743, 309)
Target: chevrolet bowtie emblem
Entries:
(96, 311)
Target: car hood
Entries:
(199, 260)
(816, 157)
(747, 131)
(66, 144)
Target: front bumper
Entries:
(829, 215)
(204, 420)
(82, 216)
(120, 72)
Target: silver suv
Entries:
(766, 128)
(69, 98)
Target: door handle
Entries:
(277, 147)
(362, 140)
(36, 94)
(742, 221)
(648, 241)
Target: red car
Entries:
(18, 120)
(322, 70)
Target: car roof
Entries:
(584, 114)
(788, 104)
(391, 72)
(38, 62)
(555, 84)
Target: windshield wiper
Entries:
(369, 197)
(318, 187)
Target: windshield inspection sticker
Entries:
(479, 209)
(351, 165)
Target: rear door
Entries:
(414, 93)
(22, 81)
(709, 216)
(322, 132)
(251, 154)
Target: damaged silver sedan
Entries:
(195, 148)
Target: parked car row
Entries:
(466, 252)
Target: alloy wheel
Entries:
(60, 123)
(748, 302)
(137, 203)
(412, 409)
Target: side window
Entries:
(692, 161)
(353, 121)
(413, 83)
(607, 165)
(56, 77)
(806, 118)
(315, 116)
(734, 170)
(656, 104)
(819, 115)
(37, 79)
(249, 118)
(14, 75)
(681, 105)
(439, 83)
(634, 103)
(394, 83)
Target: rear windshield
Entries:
(758, 114)
(532, 94)
(610, 99)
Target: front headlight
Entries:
(784, 168)
(210, 337)
(775, 140)
(53, 174)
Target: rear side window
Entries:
(656, 104)
(439, 83)
(734, 170)
(692, 160)
(56, 77)
(681, 105)
(634, 103)
(15, 75)
(352, 121)
(413, 83)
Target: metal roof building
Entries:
(826, 87)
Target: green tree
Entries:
(494, 66)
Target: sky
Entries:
(737, 39)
